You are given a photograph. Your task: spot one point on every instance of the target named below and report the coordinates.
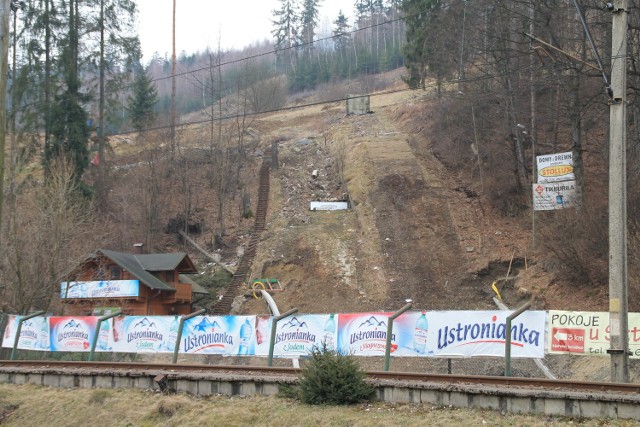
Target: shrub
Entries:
(333, 378)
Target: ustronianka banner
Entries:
(364, 334)
(100, 289)
(581, 332)
(72, 333)
(442, 334)
(414, 334)
(34, 334)
(299, 335)
(225, 335)
(483, 333)
(142, 334)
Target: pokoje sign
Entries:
(587, 333)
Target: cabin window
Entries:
(116, 271)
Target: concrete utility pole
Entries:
(173, 83)
(618, 305)
(5, 12)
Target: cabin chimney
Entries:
(138, 247)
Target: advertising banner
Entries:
(364, 334)
(555, 167)
(69, 333)
(581, 332)
(483, 333)
(100, 289)
(299, 335)
(442, 334)
(34, 334)
(225, 335)
(555, 195)
(141, 334)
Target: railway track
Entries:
(240, 277)
(257, 372)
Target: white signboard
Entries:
(100, 289)
(554, 195)
(328, 206)
(555, 167)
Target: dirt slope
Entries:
(414, 231)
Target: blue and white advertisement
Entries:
(34, 334)
(225, 335)
(141, 334)
(299, 335)
(364, 334)
(469, 334)
(100, 289)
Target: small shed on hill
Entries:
(136, 284)
(358, 104)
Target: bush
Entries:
(333, 378)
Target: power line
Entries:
(332, 101)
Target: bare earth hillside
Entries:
(414, 231)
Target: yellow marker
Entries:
(255, 286)
(495, 289)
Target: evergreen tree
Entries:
(427, 35)
(309, 22)
(286, 32)
(341, 36)
(342, 43)
(69, 130)
(143, 100)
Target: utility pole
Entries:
(173, 84)
(618, 305)
(5, 11)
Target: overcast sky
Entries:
(201, 23)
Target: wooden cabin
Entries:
(136, 284)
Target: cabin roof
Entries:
(140, 266)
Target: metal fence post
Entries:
(272, 341)
(176, 347)
(507, 341)
(387, 350)
(19, 330)
(96, 336)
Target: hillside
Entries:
(415, 231)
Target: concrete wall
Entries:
(514, 400)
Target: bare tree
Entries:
(53, 227)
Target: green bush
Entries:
(333, 378)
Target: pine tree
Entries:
(286, 32)
(309, 22)
(426, 38)
(142, 102)
(68, 127)
(342, 43)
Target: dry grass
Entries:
(31, 405)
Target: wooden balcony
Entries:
(182, 294)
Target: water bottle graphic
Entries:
(44, 335)
(328, 336)
(420, 334)
(103, 336)
(173, 334)
(245, 338)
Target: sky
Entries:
(202, 23)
